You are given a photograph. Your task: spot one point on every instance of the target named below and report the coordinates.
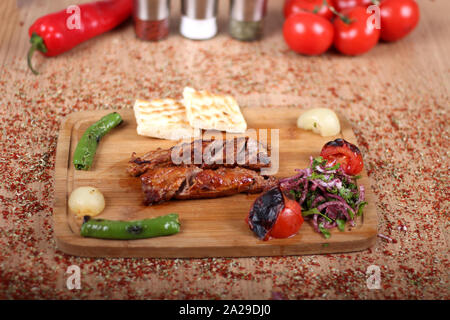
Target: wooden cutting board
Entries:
(209, 227)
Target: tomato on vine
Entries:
(398, 18)
(319, 7)
(353, 35)
(308, 33)
(342, 5)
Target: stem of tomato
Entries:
(341, 16)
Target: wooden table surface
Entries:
(396, 98)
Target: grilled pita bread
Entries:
(164, 119)
(206, 110)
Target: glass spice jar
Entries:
(151, 19)
(198, 19)
(247, 19)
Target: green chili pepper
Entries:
(130, 230)
(87, 146)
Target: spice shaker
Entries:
(151, 19)
(247, 19)
(198, 19)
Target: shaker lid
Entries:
(199, 9)
(248, 10)
(151, 10)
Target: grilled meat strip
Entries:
(191, 182)
(209, 154)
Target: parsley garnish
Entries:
(324, 231)
(315, 211)
(340, 224)
(360, 208)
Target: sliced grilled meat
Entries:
(205, 154)
(191, 182)
(164, 183)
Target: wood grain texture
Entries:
(395, 96)
(209, 227)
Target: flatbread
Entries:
(206, 110)
(164, 119)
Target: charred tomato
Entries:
(345, 153)
(273, 215)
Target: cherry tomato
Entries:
(307, 33)
(314, 6)
(289, 220)
(341, 5)
(345, 153)
(398, 18)
(355, 36)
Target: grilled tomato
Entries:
(273, 215)
(344, 153)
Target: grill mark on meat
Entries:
(191, 182)
(244, 152)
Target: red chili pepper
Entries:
(52, 35)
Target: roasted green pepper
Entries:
(87, 146)
(130, 230)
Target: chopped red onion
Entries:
(385, 237)
(330, 205)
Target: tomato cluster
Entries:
(313, 26)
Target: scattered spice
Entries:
(389, 239)
(276, 295)
(409, 182)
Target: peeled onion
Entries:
(320, 120)
(86, 201)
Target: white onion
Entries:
(320, 120)
(86, 201)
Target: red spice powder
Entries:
(151, 30)
(400, 121)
